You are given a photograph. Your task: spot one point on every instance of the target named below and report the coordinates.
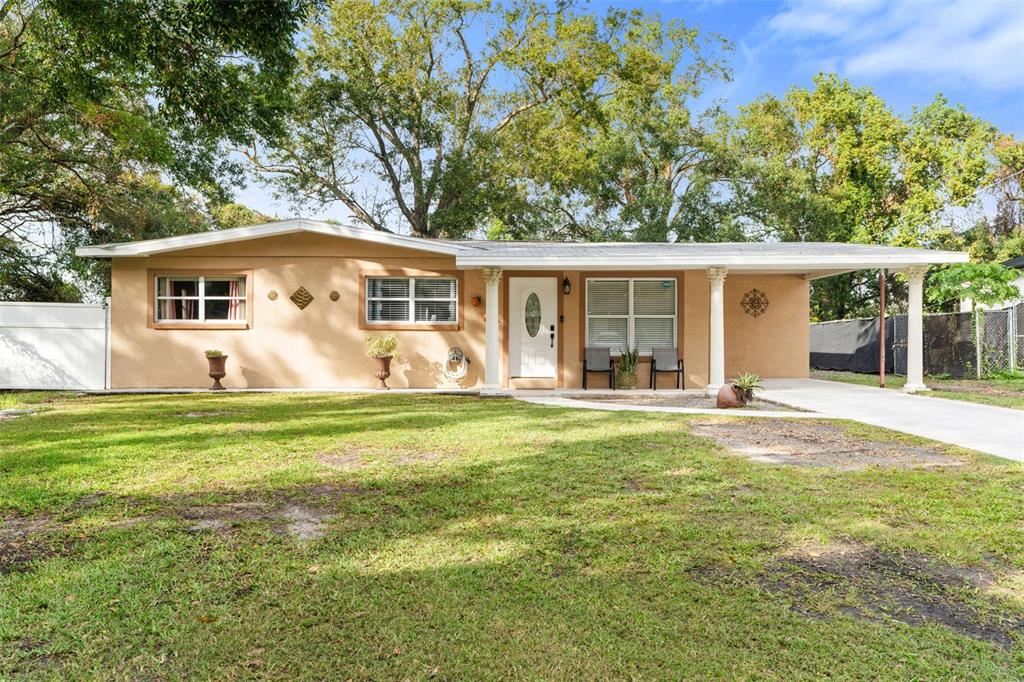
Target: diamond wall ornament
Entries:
(301, 298)
(754, 302)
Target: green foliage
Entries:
(747, 382)
(232, 214)
(98, 99)
(834, 163)
(381, 346)
(470, 115)
(984, 283)
(628, 359)
(214, 353)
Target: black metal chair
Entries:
(666, 361)
(598, 360)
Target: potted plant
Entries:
(625, 371)
(739, 392)
(217, 361)
(382, 349)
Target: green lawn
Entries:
(1002, 392)
(158, 537)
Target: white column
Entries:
(915, 330)
(716, 364)
(492, 359)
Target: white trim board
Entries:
(190, 241)
(812, 260)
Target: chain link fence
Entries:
(955, 344)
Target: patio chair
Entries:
(598, 360)
(666, 361)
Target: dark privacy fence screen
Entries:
(949, 343)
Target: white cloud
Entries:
(980, 42)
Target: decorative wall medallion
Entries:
(754, 302)
(272, 295)
(334, 295)
(301, 298)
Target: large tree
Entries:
(835, 163)
(442, 118)
(97, 95)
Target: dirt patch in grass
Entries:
(867, 583)
(816, 444)
(358, 458)
(300, 521)
(342, 461)
(983, 387)
(24, 541)
(203, 413)
(301, 513)
(690, 400)
(34, 658)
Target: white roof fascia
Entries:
(151, 247)
(736, 262)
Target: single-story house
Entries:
(290, 303)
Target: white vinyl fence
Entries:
(54, 346)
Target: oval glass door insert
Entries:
(532, 314)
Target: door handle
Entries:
(552, 336)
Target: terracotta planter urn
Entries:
(383, 371)
(731, 396)
(217, 371)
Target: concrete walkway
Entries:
(993, 430)
(560, 399)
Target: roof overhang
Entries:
(769, 258)
(153, 247)
(811, 267)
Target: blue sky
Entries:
(972, 51)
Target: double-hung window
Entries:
(202, 299)
(412, 300)
(631, 313)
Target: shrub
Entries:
(214, 353)
(381, 346)
(628, 361)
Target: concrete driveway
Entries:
(994, 430)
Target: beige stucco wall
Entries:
(322, 346)
(319, 347)
(774, 344)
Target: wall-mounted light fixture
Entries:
(566, 286)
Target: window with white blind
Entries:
(412, 300)
(633, 313)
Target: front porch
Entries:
(708, 320)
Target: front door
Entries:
(533, 325)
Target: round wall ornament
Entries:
(272, 295)
(334, 295)
(754, 302)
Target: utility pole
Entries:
(881, 328)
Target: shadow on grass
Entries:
(562, 543)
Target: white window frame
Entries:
(630, 317)
(200, 300)
(412, 299)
